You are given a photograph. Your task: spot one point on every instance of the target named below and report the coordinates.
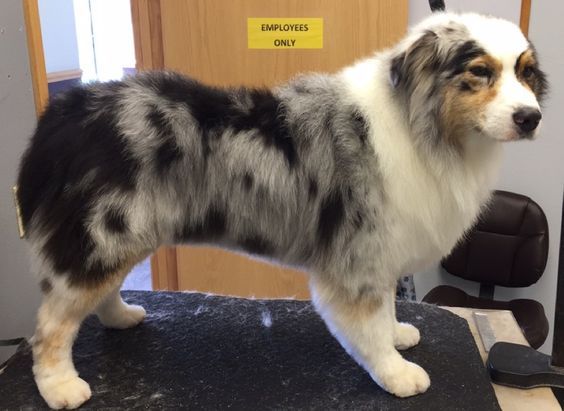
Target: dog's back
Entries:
(114, 170)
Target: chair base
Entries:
(520, 366)
(529, 314)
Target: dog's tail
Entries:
(42, 171)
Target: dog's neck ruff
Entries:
(430, 187)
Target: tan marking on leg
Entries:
(50, 341)
(356, 305)
(59, 318)
(365, 328)
(113, 312)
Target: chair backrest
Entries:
(507, 247)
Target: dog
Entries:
(356, 177)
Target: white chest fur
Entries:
(430, 200)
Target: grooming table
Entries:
(204, 352)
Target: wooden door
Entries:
(207, 39)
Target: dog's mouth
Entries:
(517, 135)
(527, 136)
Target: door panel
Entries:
(222, 272)
(207, 39)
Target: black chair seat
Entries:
(529, 314)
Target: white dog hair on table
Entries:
(356, 177)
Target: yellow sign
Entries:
(285, 33)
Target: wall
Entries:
(508, 9)
(59, 35)
(19, 296)
(535, 168)
(113, 37)
(104, 35)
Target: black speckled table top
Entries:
(201, 352)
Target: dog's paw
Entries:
(128, 315)
(403, 378)
(405, 336)
(68, 393)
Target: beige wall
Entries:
(19, 297)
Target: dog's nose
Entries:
(527, 119)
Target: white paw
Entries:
(403, 378)
(69, 393)
(405, 336)
(128, 315)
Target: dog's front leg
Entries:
(405, 334)
(365, 325)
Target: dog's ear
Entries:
(414, 74)
(396, 69)
(421, 56)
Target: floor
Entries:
(139, 278)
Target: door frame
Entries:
(525, 16)
(149, 55)
(146, 18)
(36, 54)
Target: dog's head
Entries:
(462, 75)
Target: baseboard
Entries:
(63, 75)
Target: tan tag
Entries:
(18, 212)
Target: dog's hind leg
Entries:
(62, 310)
(364, 325)
(113, 312)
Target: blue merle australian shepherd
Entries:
(357, 177)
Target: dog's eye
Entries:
(528, 71)
(480, 71)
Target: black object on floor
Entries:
(521, 366)
(212, 353)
